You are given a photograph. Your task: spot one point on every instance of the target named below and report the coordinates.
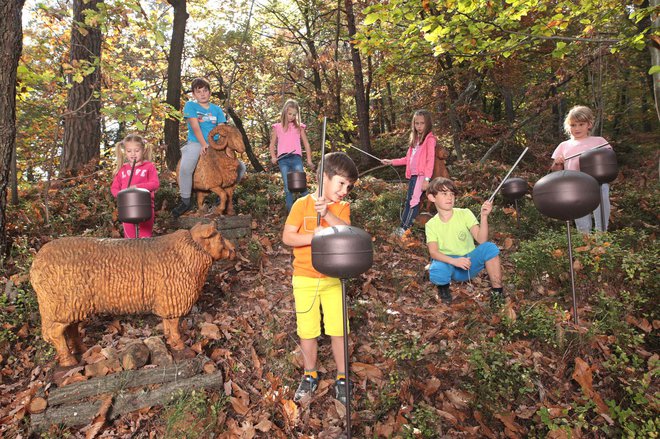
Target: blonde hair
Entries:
(291, 103)
(579, 113)
(120, 152)
(428, 126)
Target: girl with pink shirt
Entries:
(419, 161)
(288, 135)
(134, 149)
(578, 124)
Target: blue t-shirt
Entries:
(208, 118)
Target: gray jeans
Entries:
(189, 158)
(584, 224)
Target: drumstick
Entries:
(364, 152)
(507, 175)
(318, 215)
(580, 153)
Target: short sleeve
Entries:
(189, 110)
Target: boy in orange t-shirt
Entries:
(311, 289)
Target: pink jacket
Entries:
(421, 164)
(146, 177)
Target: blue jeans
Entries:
(410, 213)
(442, 273)
(583, 224)
(290, 163)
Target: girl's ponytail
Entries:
(119, 155)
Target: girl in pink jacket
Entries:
(134, 149)
(419, 162)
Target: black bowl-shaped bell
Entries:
(342, 251)
(514, 188)
(134, 205)
(600, 164)
(566, 195)
(296, 181)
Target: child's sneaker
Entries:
(444, 294)
(399, 232)
(307, 386)
(341, 394)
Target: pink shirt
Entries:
(146, 177)
(289, 140)
(573, 146)
(421, 163)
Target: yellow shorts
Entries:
(311, 294)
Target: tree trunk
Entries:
(390, 104)
(248, 146)
(171, 134)
(11, 46)
(360, 100)
(82, 128)
(655, 60)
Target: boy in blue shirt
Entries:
(201, 116)
(450, 237)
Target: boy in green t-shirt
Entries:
(450, 237)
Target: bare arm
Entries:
(557, 164)
(321, 207)
(292, 238)
(308, 149)
(271, 147)
(197, 130)
(463, 263)
(480, 232)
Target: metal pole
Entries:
(507, 175)
(570, 266)
(364, 152)
(515, 203)
(602, 210)
(580, 153)
(137, 230)
(346, 362)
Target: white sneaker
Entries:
(399, 232)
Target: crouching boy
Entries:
(450, 237)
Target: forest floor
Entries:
(420, 368)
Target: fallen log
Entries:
(125, 402)
(125, 380)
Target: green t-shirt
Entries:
(453, 237)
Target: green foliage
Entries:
(376, 206)
(423, 422)
(402, 346)
(499, 379)
(17, 312)
(537, 322)
(192, 414)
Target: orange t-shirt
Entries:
(303, 216)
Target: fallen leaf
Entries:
(582, 374)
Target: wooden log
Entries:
(83, 414)
(125, 380)
(225, 224)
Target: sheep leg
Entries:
(72, 335)
(200, 201)
(55, 333)
(220, 210)
(230, 200)
(172, 334)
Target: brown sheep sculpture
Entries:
(78, 277)
(217, 170)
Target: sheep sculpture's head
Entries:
(228, 136)
(207, 237)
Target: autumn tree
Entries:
(11, 45)
(82, 128)
(174, 80)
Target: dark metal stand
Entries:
(515, 203)
(137, 231)
(570, 266)
(346, 362)
(602, 209)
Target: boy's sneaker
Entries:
(399, 232)
(307, 386)
(341, 394)
(444, 294)
(184, 206)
